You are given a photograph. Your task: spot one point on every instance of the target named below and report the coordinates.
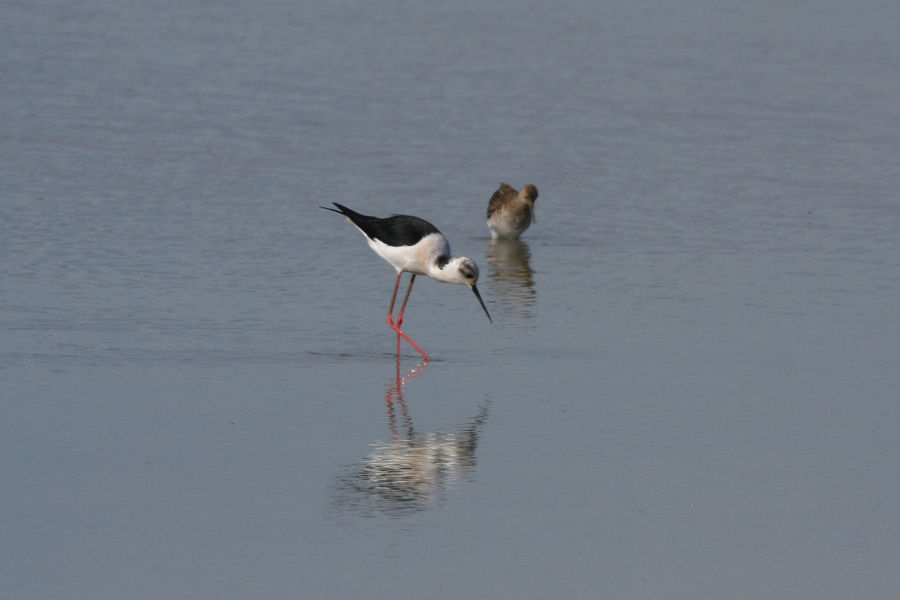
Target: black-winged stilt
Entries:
(416, 246)
(510, 212)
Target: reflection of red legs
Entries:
(393, 394)
(390, 315)
(392, 391)
(395, 388)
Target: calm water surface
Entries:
(690, 386)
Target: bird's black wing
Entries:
(396, 230)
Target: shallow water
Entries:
(689, 388)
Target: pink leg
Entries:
(405, 298)
(390, 316)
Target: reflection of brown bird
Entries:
(511, 276)
(510, 212)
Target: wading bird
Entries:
(510, 212)
(416, 246)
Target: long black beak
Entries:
(477, 295)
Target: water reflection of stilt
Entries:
(408, 473)
(511, 276)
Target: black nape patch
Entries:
(441, 261)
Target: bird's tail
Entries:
(340, 212)
(355, 217)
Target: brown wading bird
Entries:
(510, 212)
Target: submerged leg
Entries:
(413, 344)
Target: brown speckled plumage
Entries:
(510, 212)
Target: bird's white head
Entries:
(464, 271)
(461, 270)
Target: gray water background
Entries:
(691, 385)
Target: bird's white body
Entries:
(509, 226)
(419, 258)
(429, 256)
